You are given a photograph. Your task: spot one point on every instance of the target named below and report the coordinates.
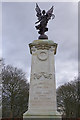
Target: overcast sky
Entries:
(18, 30)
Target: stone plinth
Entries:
(42, 93)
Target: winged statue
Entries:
(43, 18)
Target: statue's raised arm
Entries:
(43, 18)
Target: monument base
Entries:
(56, 115)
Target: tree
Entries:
(15, 92)
(68, 98)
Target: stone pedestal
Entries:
(42, 93)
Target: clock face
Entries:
(42, 55)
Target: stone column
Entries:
(42, 93)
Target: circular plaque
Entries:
(42, 55)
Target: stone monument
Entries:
(42, 93)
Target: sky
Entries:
(18, 30)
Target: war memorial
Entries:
(42, 92)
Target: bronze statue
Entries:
(43, 18)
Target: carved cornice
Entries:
(43, 44)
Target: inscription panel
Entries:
(42, 94)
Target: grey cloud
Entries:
(19, 30)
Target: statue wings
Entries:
(39, 15)
(49, 14)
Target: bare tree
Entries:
(68, 98)
(15, 92)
